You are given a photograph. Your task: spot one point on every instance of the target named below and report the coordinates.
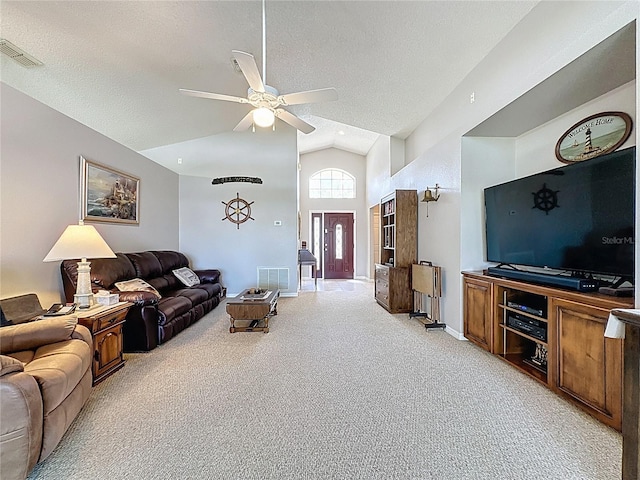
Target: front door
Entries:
(338, 245)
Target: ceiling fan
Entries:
(266, 101)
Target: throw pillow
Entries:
(137, 285)
(187, 276)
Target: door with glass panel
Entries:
(317, 242)
(338, 245)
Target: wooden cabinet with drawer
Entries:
(393, 288)
(105, 325)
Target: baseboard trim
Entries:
(455, 334)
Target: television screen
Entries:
(578, 218)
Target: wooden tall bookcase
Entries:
(398, 250)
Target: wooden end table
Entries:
(105, 324)
(255, 308)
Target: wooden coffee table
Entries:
(256, 309)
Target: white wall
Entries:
(488, 161)
(354, 164)
(39, 193)
(535, 149)
(211, 242)
(378, 170)
(541, 44)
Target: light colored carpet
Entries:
(339, 389)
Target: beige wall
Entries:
(354, 164)
(39, 190)
(215, 243)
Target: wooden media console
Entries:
(553, 335)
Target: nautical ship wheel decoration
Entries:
(237, 210)
(545, 199)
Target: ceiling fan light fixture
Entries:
(263, 117)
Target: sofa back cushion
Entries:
(31, 335)
(146, 265)
(104, 272)
(170, 260)
(166, 283)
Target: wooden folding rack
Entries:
(426, 282)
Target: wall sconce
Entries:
(430, 196)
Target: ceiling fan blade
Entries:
(311, 96)
(213, 96)
(245, 123)
(294, 121)
(249, 69)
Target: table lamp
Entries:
(80, 241)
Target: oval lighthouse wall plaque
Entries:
(594, 136)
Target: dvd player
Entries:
(525, 308)
(561, 281)
(528, 302)
(530, 326)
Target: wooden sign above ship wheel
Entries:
(237, 210)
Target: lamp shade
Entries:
(79, 241)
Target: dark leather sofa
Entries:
(151, 321)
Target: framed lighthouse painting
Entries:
(594, 136)
(108, 195)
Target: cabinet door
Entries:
(400, 293)
(478, 312)
(588, 365)
(108, 351)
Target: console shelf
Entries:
(522, 334)
(503, 316)
(518, 362)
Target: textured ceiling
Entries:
(117, 66)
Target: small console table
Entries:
(305, 257)
(625, 323)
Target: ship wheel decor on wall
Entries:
(237, 210)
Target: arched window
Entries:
(332, 183)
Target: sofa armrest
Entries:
(139, 298)
(21, 419)
(31, 335)
(10, 365)
(208, 276)
(82, 333)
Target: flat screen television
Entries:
(578, 219)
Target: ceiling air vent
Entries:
(23, 58)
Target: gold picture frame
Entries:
(108, 195)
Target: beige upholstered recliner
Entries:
(45, 379)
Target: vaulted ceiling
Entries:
(117, 66)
